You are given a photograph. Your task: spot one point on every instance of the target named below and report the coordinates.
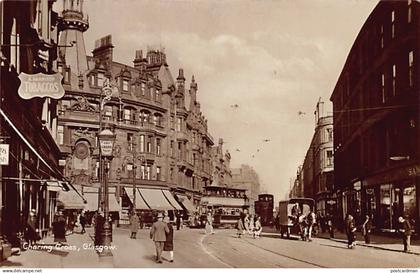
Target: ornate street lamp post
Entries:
(106, 142)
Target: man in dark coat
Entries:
(406, 232)
(158, 234)
(350, 231)
(82, 220)
(366, 229)
(178, 220)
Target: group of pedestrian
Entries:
(162, 233)
(250, 224)
(366, 228)
(304, 223)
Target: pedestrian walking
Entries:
(134, 225)
(257, 228)
(240, 226)
(302, 225)
(251, 225)
(406, 232)
(246, 222)
(366, 229)
(311, 220)
(59, 228)
(209, 224)
(277, 222)
(169, 243)
(178, 220)
(82, 220)
(330, 225)
(32, 232)
(158, 233)
(350, 231)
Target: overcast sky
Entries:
(272, 58)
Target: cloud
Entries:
(272, 58)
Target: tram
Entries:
(225, 204)
(264, 208)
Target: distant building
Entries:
(247, 178)
(222, 174)
(297, 188)
(317, 172)
(377, 119)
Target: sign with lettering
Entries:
(4, 154)
(40, 85)
(106, 147)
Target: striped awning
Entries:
(140, 203)
(156, 199)
(171, 199)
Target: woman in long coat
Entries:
(240, 226)
(134, 225)
(31, 229)
(59, 228)
(169, 243)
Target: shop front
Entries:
(393, 194)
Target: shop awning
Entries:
(140, 203)
(186, 203)
(92, 202)
(70, 200)
(155, 199)
(171, 199)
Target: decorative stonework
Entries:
(83, 104)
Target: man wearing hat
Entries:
(158, 234)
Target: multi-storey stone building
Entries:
(318, 165)
(376, 118)
(247, 178)
(31, 178)
(162, 138)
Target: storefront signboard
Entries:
(407, 172)
(40, 85)
(4, 154)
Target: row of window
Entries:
(144, 172)
(148, 144)
(394, 77)
(148, 92)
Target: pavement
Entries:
(195, 249)
(379, 241)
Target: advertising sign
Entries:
(40, 85)
(106, 147)
(4, 154)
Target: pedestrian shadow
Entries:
(340, 247)
(150, 257)
(9, 264)
(275, 236)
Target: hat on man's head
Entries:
(33, 210)
(160, 215)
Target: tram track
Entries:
(249, 242)
(285, 256)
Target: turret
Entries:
(72, 49)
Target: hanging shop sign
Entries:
(4, 154)
(40, 85)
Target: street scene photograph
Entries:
(202, 134)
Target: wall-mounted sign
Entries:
(4, 154)
(40, 85)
